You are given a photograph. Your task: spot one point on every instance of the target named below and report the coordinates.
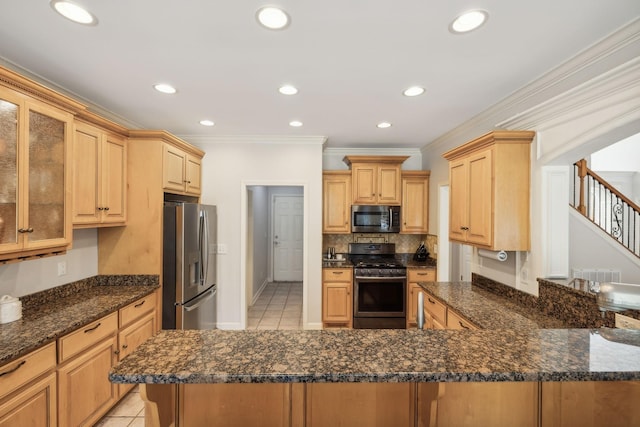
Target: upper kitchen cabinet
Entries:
(34, 173)
(376, 180)
(137, 248)
(99, 176)
(336, 202)
(489, 191)
(181, 170)
(415, 202)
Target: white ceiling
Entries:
(350, 59)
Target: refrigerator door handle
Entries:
(203, 299)
(204, 246)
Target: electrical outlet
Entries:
(627, 322)
(222, 248)
(62, 268)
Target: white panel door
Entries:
(287, 238)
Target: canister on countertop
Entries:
(10, 309)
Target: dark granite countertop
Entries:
(380, 355)
(50, 314)
(489, 310)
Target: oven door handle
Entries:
(380, 278)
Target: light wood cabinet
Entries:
(99, 177)
(415, 275)
(456, 321)
(33, 406)
(376, 180)
(84, 390)
(336, 202)
(436, 312)
(181, 171)
(137, 248)
(337, 299)
(489, 191)
(130, 339)
(415, 202)
(499, 404)
(35, 177)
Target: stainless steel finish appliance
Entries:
(375, 219)
(380, 286)
(189, 266)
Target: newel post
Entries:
(582, 173)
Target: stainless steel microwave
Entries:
(375, 219)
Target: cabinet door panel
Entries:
(86, 143)
(85, 392)
(458, 209)
(389, 185)
(480, 199)
(32, 407)
(415, 205)
(9, 123)
(114, 166)
(364, 184)
(337, 302)
(336, 204)
(173, 169)
(193, 173)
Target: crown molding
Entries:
(254, 139)
(609, 53)
(372, 150)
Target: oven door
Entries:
(379, 302)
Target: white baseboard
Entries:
(257, 294)
(230, 326)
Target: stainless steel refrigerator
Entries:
(189, 266)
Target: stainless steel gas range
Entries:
(380, 286)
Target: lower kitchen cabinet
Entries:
(495, 404)
(223, 405)
(337, 297)
(34, 406)
(415, 275)
(444, 404)
(84, 390)
(130, 338)
(28, 390)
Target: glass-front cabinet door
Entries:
(33, 175)
(9, 131)
(47, 134)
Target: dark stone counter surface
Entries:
(50, 314)
(363, 355)
(489, 310)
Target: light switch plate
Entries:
(627, 322)
(62, 268)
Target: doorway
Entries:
(274, 239)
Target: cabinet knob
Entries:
(100, 208)
(29, 230)
(125, 346)
(107, 208)
(116, 352)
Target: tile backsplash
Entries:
(405, 243)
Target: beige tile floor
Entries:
(128, 413)
(279, 306)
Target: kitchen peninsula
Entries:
(388, 377)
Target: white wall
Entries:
(623, 156)
(259, 259)
(27, 277)
(231, 165)
(583, 105)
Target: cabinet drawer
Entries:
(436, 309)
(336, 274)
(422, 275)
(87, 336)
(137, 309)
(455, 321)
(19, 372)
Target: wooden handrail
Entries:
(583, 171)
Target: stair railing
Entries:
(606, 207)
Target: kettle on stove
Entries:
(421, 253)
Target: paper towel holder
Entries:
(497, 255)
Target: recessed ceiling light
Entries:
(73, 12)
(413, 91)
(272, 17)
(165, 88)
(288, 90)
(468, 21)
(295, 123)
(384, 125)
(206, 123)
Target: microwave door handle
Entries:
(390, 216)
